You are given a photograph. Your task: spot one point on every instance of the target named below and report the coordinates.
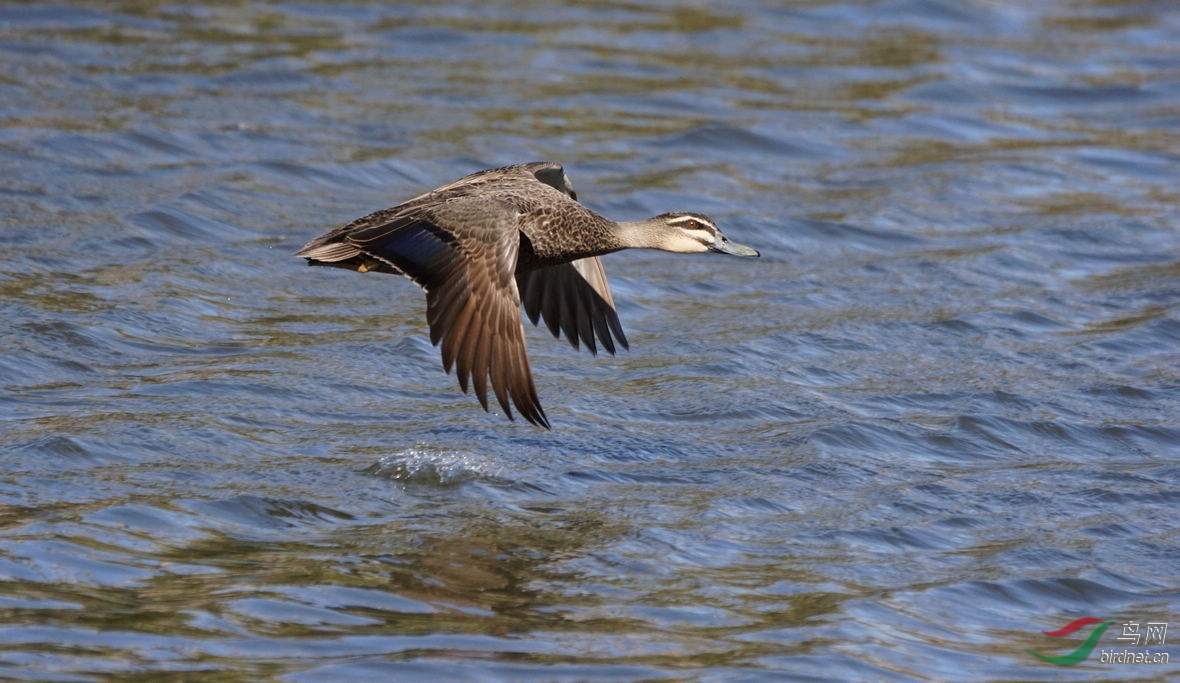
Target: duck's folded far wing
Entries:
(574, 299)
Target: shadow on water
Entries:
(200, 583)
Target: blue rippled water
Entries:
(939, 416)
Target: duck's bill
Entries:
(724, 245)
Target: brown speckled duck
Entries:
(488, 242)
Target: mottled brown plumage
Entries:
(483, 245)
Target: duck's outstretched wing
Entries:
(463, 252)
(574, 299)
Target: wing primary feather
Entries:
(567, 317)
(552, 310)
(536, 412)
(481, 362)
(464, 355)
(443, 309)
(612, 319)
(602, 328)
(452, 341)
(585, 308)
(531, 296)
(525, 393)
(501, 375)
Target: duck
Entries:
(499, 239)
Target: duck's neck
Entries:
(609, 236)
(636, 234)
(593, 237)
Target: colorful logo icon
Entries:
(1083, 650)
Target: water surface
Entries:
(938, 416)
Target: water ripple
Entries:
(936, 418)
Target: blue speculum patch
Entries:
(416, 250)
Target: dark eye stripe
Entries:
(693, 224)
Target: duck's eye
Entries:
(692, 224)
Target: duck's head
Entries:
(685, 232)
